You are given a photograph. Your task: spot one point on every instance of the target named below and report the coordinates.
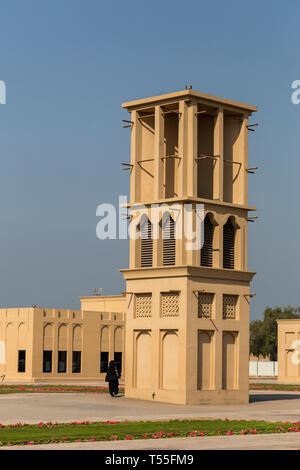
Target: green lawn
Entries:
(70, 432)
(54, 389)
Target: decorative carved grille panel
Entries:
(205, 304)
(230, 306)
(143, 305)
(170, 304)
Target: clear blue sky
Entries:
(69, 65)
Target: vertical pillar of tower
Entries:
(191, 174)
(245, 159)
(179, 219)
(182, 148)
(219, 234)
(218, 183)
(158, 153)
(192, 151)
(190, 226)
(245, 245)
(159, 165)
(219, 150)
(134, 179)
(133, 253)
(182, 177)
(135, 151)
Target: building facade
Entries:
(187, 312)
(288, 350)
(39, 344)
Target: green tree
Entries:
(256, 338)
(263, 333)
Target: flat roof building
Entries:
(44, 344)
(288, 352)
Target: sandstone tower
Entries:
(187, 317)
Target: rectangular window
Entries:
(169, 241)
(47, 361)
(22, 361)
(146, 244)
(228, 245)
(76, 362)
(62, 361)
(103, 362)
(118, 361)
(207, 247)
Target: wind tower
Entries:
(187, 317)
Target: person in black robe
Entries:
(112, 377)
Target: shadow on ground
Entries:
(273, 397)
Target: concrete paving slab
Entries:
(34, 408)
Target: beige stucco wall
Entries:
(288, 347)
(104, 303)
(16, 332)
(35, 330)
(176, 360)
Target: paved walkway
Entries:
(65, 407)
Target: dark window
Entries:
(207, 248)
(76, 362)
(103, 361)
(62, 361)
(146, 243)
(118, 361)
(47, 361)
(168, 233)
(228, 245)
(22, 361)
